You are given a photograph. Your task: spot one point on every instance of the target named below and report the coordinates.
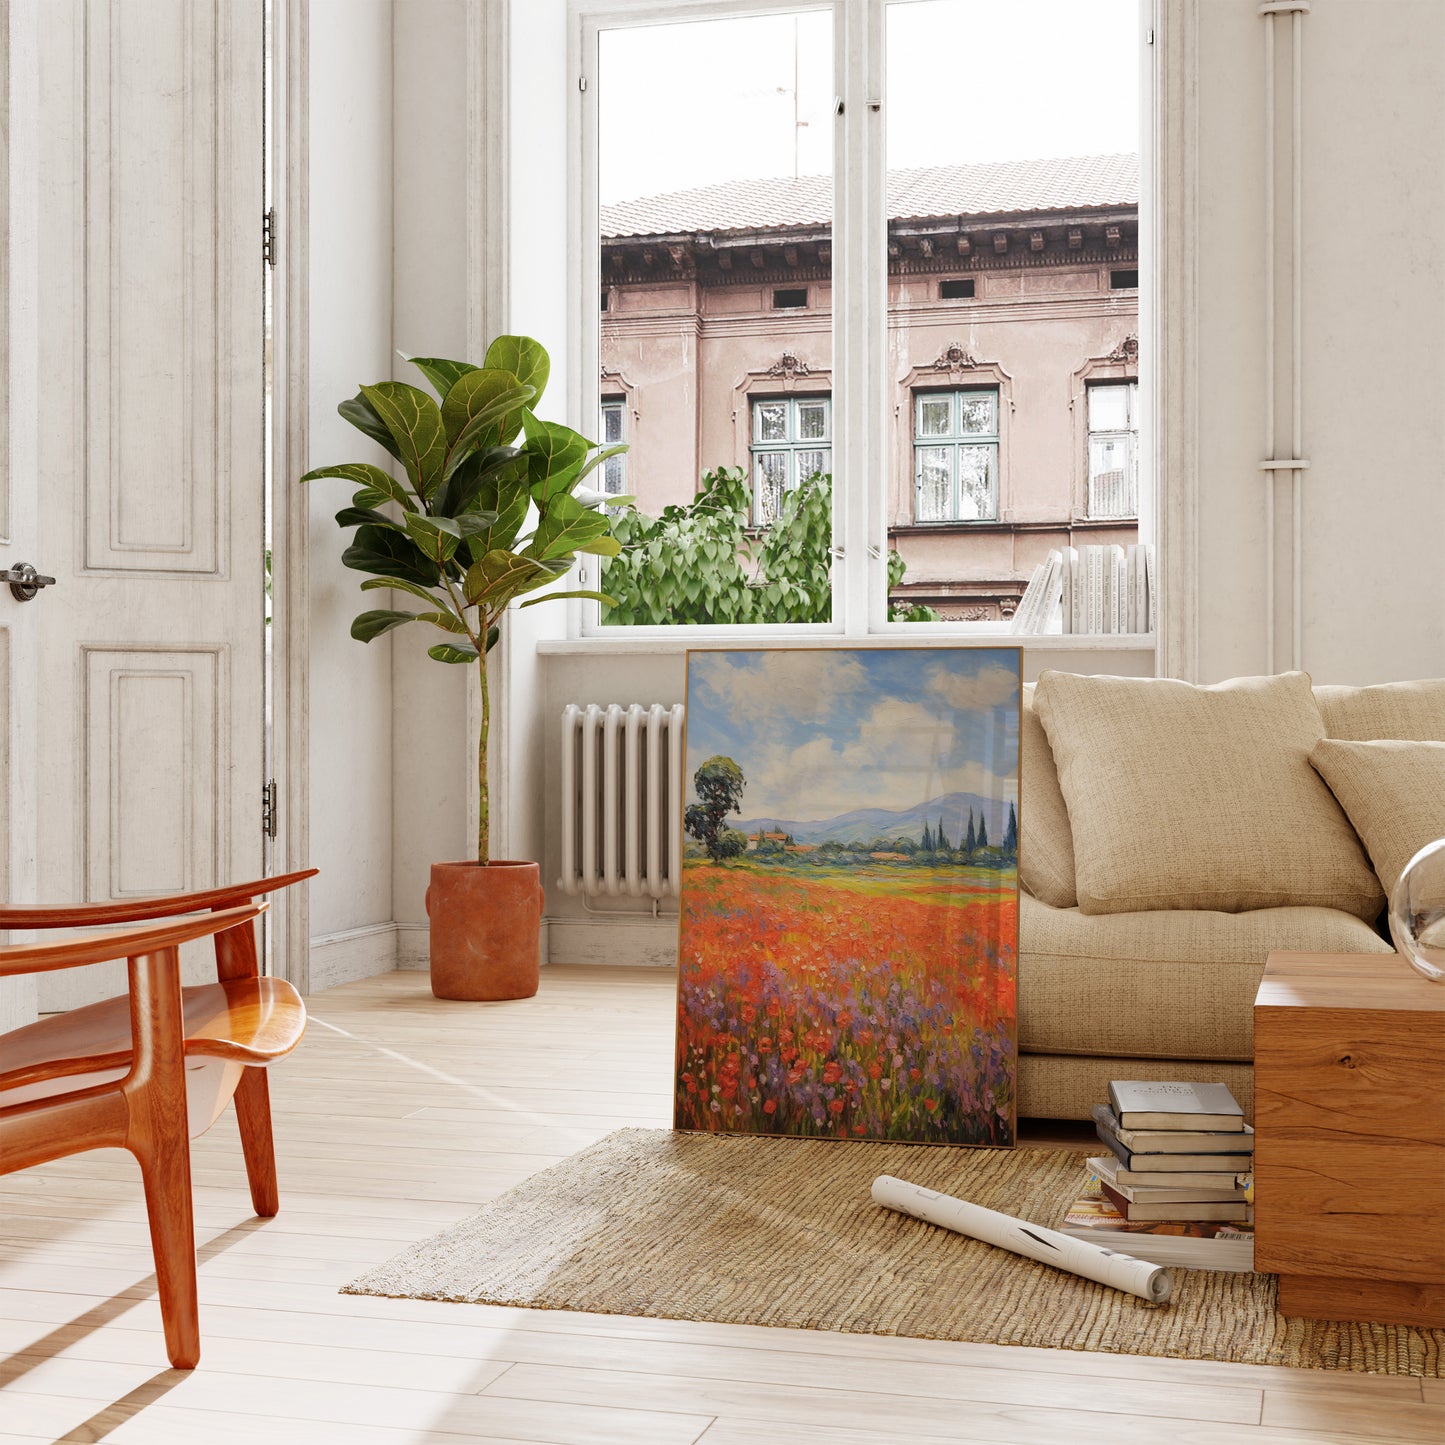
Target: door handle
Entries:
(24, 581)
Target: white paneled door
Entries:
(148, 741)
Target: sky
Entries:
(700, 102)
(818, 732)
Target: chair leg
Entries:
(253, 1113)
(158, 1136)
(167, 1178)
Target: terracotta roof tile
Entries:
(1064, 183)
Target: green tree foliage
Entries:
(1011, 834)
(705, 562)
(970, 839)
(982, 831)
(719, 785)
(927, 844)
(941, 840)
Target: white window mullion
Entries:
(860, 318)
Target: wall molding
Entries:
(353, 954)
(289, 920)
(1169, 326)
(650, 942)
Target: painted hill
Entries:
(862, 825)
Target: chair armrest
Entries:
(100, 948)
(138, 910)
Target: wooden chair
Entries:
(150, 1070)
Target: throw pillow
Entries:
(1391, 710)
(1394, 793)
(1200, 797)
(1046, 846)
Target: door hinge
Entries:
(270, 811)
(268, 237)
(582, 83)
(1149, 37)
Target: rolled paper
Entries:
(1047, 1246)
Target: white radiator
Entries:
(622, 800)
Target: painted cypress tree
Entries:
(927, 844)
(943, 844)
(982, 831)
(1011, 838)
(969, 840)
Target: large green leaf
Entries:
(415, 423)
(442, 374)
(434, 536)
(370, 477)
(487, 428)
(453, 652)
(478, 391)
(526, 359)
(489, 481)
(365, 516)
(555, 455)
(372, 624)
(358, 411)
(391, 554)
(402, 585)
(500, 576)
(447, 621)
(575, 592)
(566, 527)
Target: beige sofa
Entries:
(1168, 992)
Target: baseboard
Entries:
(338, 958)
(413, 945)
(651, 942)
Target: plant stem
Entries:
(484, 841)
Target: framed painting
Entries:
(849, 915)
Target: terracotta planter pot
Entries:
(485, 929)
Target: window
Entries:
(773, 325)
(614, 430)
(1113, 450)
(791, 442)
(955, 455)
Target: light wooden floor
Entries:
(398, 1115)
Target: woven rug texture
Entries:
(769, 1231)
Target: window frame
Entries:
(862, 436)
(1129, 434)
(793, 445)
(954, 440)
(613, 401)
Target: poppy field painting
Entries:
(847, 945)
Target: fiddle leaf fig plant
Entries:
(492, 508)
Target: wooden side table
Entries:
(1349, 1171)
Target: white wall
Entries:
(351, 340)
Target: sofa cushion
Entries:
(1174, 984)
(1200, 797)
(1394, 793)
(1414, 710)
(1046, 846)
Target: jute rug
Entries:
(754, 1231)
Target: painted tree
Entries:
(942, 838)
(1011, 836)
(927, 844)
(719, 785)
(970, 839)
(982, 831)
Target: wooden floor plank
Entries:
(398, 1115)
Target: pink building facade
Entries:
(1013, 358)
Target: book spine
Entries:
(1068, 560)
(1052, 595)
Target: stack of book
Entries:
(1178, 1174)
(1089, 590)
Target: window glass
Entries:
(614, 469)
(1026, 183)
(715, 229)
